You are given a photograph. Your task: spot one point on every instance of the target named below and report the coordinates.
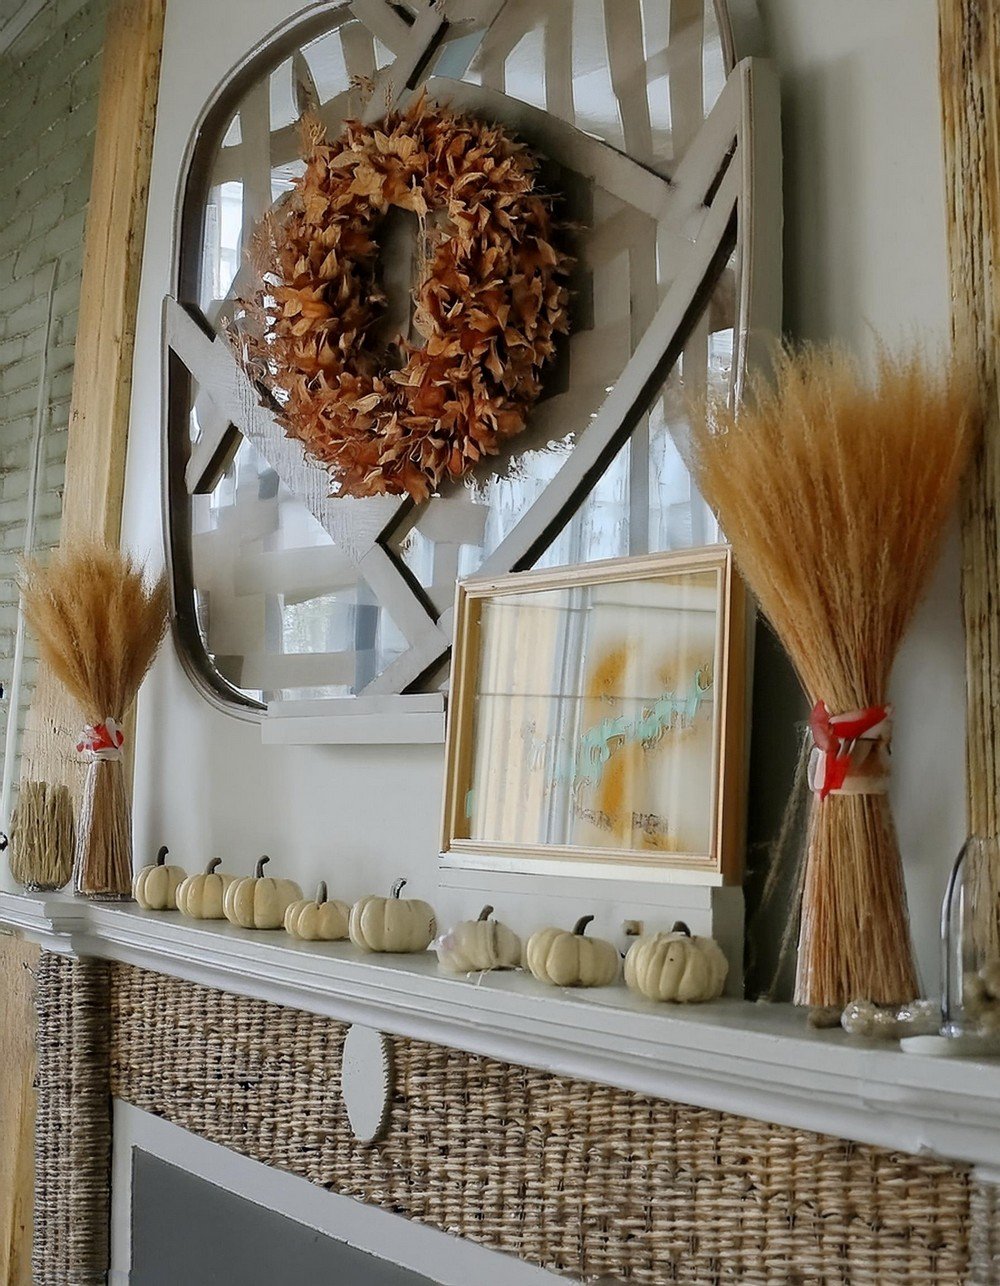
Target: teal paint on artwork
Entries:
(666, 713)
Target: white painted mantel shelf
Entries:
(754, 1060)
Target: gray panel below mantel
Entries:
(186, 1230)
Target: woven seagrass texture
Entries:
(73, 1123)
(586, 1180)
(984, 1236)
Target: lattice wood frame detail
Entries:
(715, 200)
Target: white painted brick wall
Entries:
(48, 109)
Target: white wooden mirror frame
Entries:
(729, 178)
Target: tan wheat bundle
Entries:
(98, 624)
(43, 836)
(834, 492)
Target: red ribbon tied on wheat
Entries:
(102, 740)
(847, 756)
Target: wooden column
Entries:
(95, 473)
(116, 223)
(102, 378)
(970, 97)
(18, 964)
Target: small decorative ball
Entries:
(859, 1018)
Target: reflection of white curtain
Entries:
(564, 730)
(509, 747)
(520, 788)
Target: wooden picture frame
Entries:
(582, 623)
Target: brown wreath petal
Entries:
(489, 303)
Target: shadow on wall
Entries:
(779, 711)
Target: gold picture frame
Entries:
(580, 734)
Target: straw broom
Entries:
(834, 495)
(98, 625)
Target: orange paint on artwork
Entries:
(608, 674)
(658, 842)
(613, 796)
(616, 793)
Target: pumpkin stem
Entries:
(161, 856)
(680, 927)
(581, 924)
(216, 861)
(259, 872)
(321, 892)
(485, 913)
(397, 888)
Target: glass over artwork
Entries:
(592, 712)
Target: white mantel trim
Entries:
(759, 1061)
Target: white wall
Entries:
(865, 254)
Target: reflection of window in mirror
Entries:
(270, 607)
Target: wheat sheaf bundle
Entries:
(99, 622)
(833, 491)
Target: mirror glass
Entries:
(274, 609)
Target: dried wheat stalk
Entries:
(834, 493)
(43, 836)
(98, 624)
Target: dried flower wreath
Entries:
(490, 298)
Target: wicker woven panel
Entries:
(73, 1124)
(984, 1239)
(586, 1180)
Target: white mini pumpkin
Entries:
(317, 919)
(568, 959)
(201, 896)
(258, 901)
(676, 966)
(155, 887)
(472, 946)
(392, 924)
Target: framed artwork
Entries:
(598, 716)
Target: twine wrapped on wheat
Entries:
(99, 623)
(834, 492)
